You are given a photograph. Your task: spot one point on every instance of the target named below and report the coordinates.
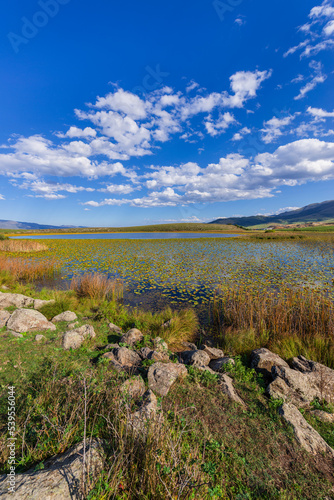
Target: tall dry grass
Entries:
(28, 270)
(25, 246)
(97, 286)
(294, 321)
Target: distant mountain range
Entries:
(315, 213)
(13, 224)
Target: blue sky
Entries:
(123, 113)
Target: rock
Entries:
(75, 338)
(217, 364)
(300, 388)
(110, 346)
(4, 317)
(38, 303)
(65, 316)
(15, 299)
(212, 352)
(195, 358)
(73, 326)
(189, 346)
(226, 385)
(131, 337)
(115, 329)
(147, 353)
(159, 344)
(39, 338)
(323, 416)
(304, 365)
(133, 387)
(28, 320)
(147, 413)
(306, 436)
(61, 477)
(17, 335)
(127, 358)
(161, 376)
(112, 361)
(167, 324)
(262, 360)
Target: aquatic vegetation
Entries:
(23, 246)
(97, 286)
(28, 269)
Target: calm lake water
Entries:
(127, 236)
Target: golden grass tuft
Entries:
(97, 286)
(28, 270)
(24, 246)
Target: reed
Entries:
(21, 269)
(292, 321)
(21, 246)
(97, 286)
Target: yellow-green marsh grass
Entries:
(97, 286)
(22, 246)
(19, 268)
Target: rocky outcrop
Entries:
(28, 320)
(73, 339)
(67, 316)
(161, 376)
(307, 437)
(302, 387)
(147, 412)
(195, 358)
(61, 477)
(212, 352)
(263, 360)
(123, 359)
(131, 337)
(147, 353)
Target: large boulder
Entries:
(161, 376)
(146, 413)
(61, 477)
(123, 359)
(263, 360)
(147, 353)
(302, 387)
(65, 316)
(73, 339)
(195, 358)
(131, 337)
(4, 317)
(306, 436)
(15, 299)
(28, 320)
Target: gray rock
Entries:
(115, 329)
(38, 303)
(147, 353)
(131, 337)
(195, 358)
(39, 338)
(73, 326)
(189, 346)
(4, 317)
(301, 388)
(113, 363)
(307, 437)
(167, 324)
(28, 320)
(15, 299)
(61, 477)
(218, 364)
(75, 338)
(262, 360)
(212, 352)
(133, 387)
(161, 376)
(147, 413)
(127, 358)
(226, 386)
(65, 316)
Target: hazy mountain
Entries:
(317, 212)
(12, 224)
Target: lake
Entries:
(128, 236)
